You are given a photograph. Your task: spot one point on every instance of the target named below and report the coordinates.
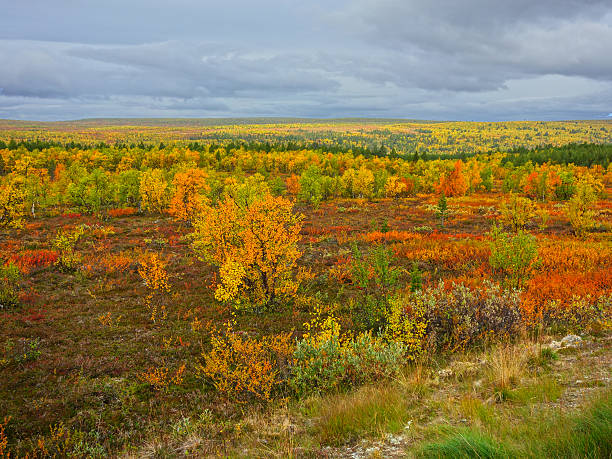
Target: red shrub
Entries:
(29, 259)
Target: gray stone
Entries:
(571, 341)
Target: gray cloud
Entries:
(441, 59)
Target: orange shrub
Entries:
(160, 378)
(341, 270)
(117, 262)
(293, 184)
(561, 287)
(152, 269)
(565, 256)
(242, 368)
(450, 255)
(4, 440)
(124, 212)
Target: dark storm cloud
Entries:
(441, 59)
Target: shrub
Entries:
(152, 270)
(517, 212)
(406, 325)
(394, 187)
(311, 186)
(12, 203)
(161, 378)
(453, 183)
(188, 200)
(9, 279)
(325, 360)
(154, 192)
(91, 192)
(363, 183)
(65, 242)
(123, 212)
(458, 317)
(128, 188)
(375, 275)
(541, 184)
(515, 255)
(29, 259)
(442, 209)
(580, 208)
(244, 368)
(3, 438)
(579, 314)
(566, 189)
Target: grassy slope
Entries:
(554, 406)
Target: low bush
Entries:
(458, 317)
(244, 368)
(326, 360)
(514, 255)
(9, 279)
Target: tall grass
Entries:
(368, 412)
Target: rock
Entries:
(445, 373)
(460, 369)
(571, 341)
(463, 369)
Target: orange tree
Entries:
(253, 242)
(453, 183)
(188, 201)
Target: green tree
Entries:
(514, 254)
(311, 186)
(442, 209)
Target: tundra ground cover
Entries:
(149, 293)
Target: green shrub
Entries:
(442, 209)
(65, 242)
(311, 186)
(9, 280)
(324, 360)
(517, 211)
(580, 208)
(514, 255)
(375, 275)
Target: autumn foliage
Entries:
(188, 200)
(254, 246)
(453, 183)
(242, 368)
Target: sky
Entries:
(487, 60)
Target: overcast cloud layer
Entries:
(428, 59)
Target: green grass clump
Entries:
(367, 412)
(583, 434)
(468, 443)
(588, 435)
